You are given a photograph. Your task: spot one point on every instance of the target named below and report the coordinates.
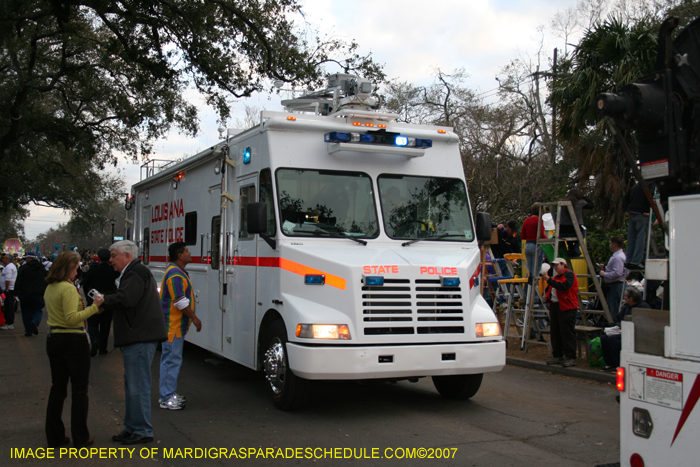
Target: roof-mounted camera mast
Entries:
(344, 92)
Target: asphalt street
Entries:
(520, 417)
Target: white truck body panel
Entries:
(668, 386)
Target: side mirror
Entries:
(483, 226)
(257, 218)
(257, 222)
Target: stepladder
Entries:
(526, 315)
(590, 290)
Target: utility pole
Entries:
(553, 154)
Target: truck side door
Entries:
(241, 317)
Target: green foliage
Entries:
(82, 82)
(11, 225)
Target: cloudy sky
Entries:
(411, 38)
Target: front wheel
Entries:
(458, 386)
(289, 392)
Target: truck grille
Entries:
(421, 307)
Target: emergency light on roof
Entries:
(377, 138)
(246, 156)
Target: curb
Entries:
(592, 375)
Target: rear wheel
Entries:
(289, 392)
(458, 386)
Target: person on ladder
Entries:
(562, 294)
(566, 224)
(614, 274)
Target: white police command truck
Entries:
(329, 242)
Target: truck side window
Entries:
(267, 198)
(146, 245)
(191, 228)
(247, 196)
(215, 233)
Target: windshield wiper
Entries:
(430, 238)
(318, 232)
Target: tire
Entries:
(458, 387)
(288, 391)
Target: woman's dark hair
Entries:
(535, 209)
(574, 195)
(62, 266)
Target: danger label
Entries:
(655, 386)
(663, 374)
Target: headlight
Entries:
(487, 329)
(323, 331)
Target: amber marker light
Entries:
(289, 117)
(381, 125)
(298, 330)
(356, 124)
(442, 131)
(369, 124)
(620, 384)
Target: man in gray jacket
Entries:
(139, 326)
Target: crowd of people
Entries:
(561, 283)
(119, 291)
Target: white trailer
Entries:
(330, 247)
(660, 360)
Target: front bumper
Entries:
(348, 363)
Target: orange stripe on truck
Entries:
(297, 268)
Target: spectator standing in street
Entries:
(614, 275)
(636, 206)
(139, 326)
(178, 307)
(30, 287)
(566, 224)
(8, 278)
(100, 277)
(562, 294)
(69, 352)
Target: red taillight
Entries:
(636, 460)
(621, 379)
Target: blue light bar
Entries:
(246, 156)
(314, 279)
(401, 141)
(374, 280)
(377, 138)
(366, 139)
(337, 137)
(451, 281)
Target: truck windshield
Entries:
(429, 208)
(330, 201)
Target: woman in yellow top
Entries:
(69, 351)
